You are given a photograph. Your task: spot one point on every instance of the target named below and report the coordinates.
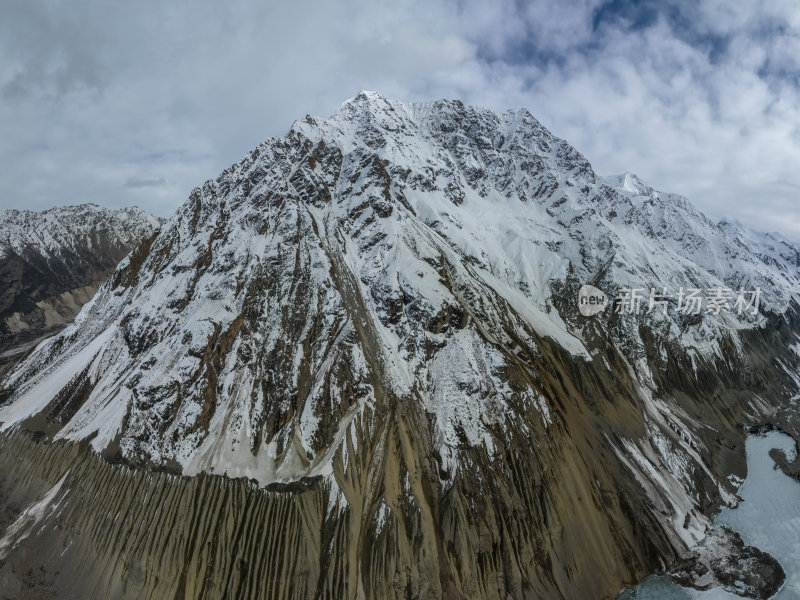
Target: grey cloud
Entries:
(49, 52)
(136, 182)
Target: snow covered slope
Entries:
(772, 248)
(385, 301)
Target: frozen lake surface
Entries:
(768, 518)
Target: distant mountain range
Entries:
(52, 262)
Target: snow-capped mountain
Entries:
(727, 248)
(375, 319)
(56, 233)
(52, 262)
(773, 249)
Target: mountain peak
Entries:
(365, 99)
(381, 308)
(628, 182)
(368, 96)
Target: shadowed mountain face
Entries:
(51, 264)
(354, 366)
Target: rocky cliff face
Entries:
(51, 264)
(353, 365)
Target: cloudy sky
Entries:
(138, 102)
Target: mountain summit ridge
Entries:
(477, 162)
